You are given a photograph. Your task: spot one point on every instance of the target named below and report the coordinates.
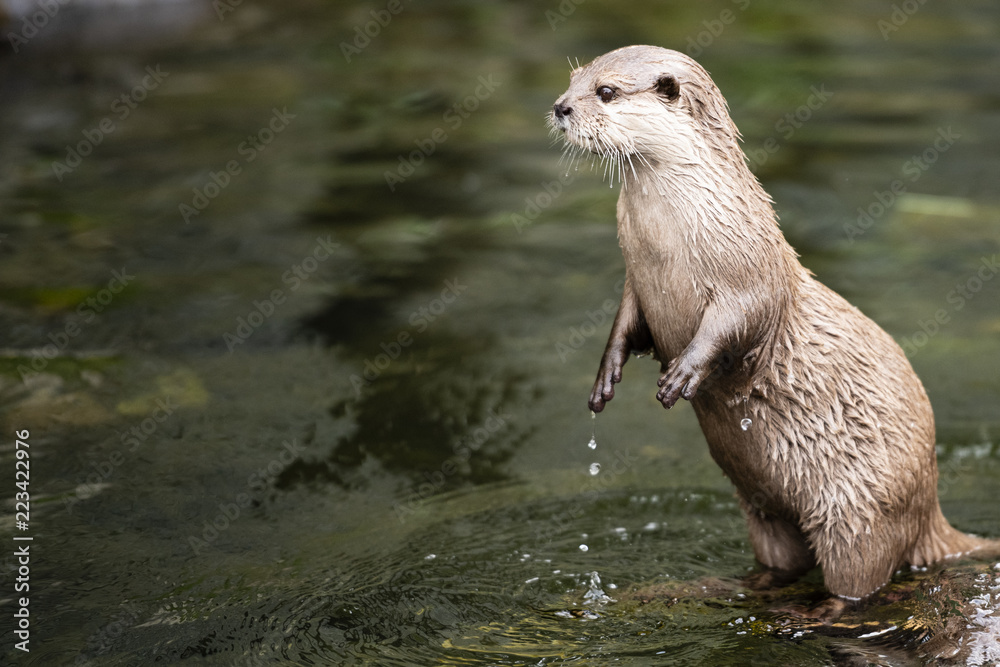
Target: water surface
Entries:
(304, 342)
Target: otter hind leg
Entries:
(857, 564)
(779, 546)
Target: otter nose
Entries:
(561, 110)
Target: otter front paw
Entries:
(604, 387)
(680, 380)
(609, 374)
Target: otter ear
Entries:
(668, 87)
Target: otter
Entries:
(809, 407)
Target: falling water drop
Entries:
(595, 468)
(745, 423)
(592, 444)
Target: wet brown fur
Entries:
(838, 467)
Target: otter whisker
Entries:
(572, 155)
(615, 162)
(608, 158)
(642, 158)
(634, 175)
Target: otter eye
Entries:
(606, 93)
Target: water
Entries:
(322, 420)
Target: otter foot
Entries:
(766, 580)
(826, 612)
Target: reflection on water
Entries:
(318, 395)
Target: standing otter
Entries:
(809, 407)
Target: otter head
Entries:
(646, 106)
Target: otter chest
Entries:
(660, 264)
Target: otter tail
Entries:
(939, 541)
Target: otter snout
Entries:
(560, 112)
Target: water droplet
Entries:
(595, 468)
(592, 444)
(584, 547)
(745, 423)
(430, 556)
(595, 595)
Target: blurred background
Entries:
(302, 311)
